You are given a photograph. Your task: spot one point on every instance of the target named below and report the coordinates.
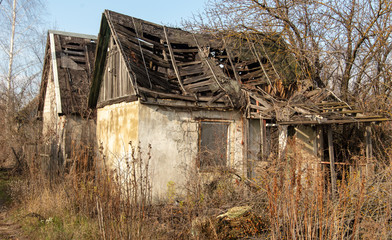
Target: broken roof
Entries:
(309, 107)
(254, 72)
(170, 63)
(70, 57)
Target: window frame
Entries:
(210, 167)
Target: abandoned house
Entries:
(205, 101)
(66, 119)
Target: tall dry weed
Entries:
(289, 199)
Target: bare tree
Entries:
(340, 43)
(21, 51)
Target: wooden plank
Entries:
(150, 56)
(142, 54)
(183, 64)
(342, 112)
(125, 30)
(252, 74)
(199, 84)
(192, 67)
(256, 82)
(367, 117)
(78, 53)
(156, 77)
(187, 106)
(129, 98)
(262, 101)
(185, 50)
(216, 98)
(332, 104)
(332, 162)
(192, 71)
(236, 75)
(176, 35)
(205, 88)
(260, 108)
(343, 121)
(190, 80)
(255, 115)
(173, 61)
(167, 95)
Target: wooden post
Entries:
(245, 135)
(369, 150)
(262, 140)
(332, 162)
(282, 141)
(319, 147)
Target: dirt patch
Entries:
(8, 229)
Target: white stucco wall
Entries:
(174, 136)
(172, 133)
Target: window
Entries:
(213, 144)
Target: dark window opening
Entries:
(213, 142)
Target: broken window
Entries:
(213, 144)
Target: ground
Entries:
(8, 229)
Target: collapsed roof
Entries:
(253, 72)
(70, 58)
(308, 107)
(171, 63)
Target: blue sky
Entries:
(84, 16)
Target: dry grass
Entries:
(287, 201)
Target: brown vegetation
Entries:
(286, 201)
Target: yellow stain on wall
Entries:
(117, 125)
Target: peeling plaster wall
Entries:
(117, 125)
(174, 136)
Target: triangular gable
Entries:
(70, 58)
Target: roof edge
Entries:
(55, 73)
(71, 34)
(100, 59)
